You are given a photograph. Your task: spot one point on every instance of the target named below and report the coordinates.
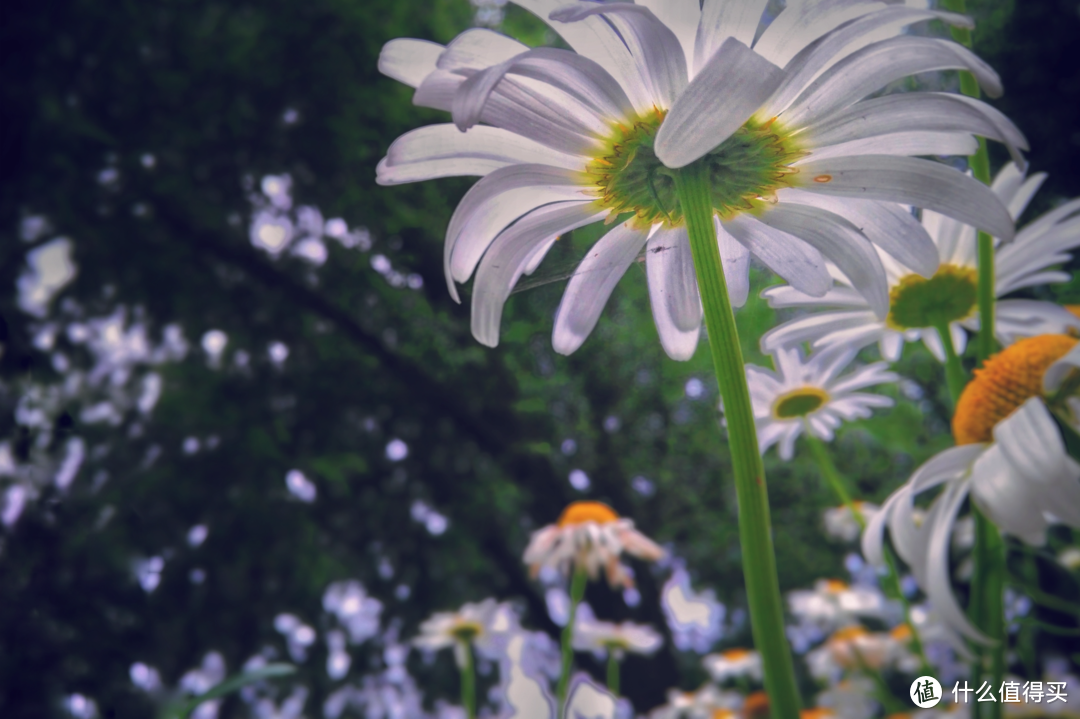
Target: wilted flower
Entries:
(1011, 459)
(807, 395)
(918, 305)
(772, 113)
(590, 536)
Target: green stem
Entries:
(892, 580)
(468, 681)
(577, 593)
(955, 375)
(612, 673)
(755, 533)
(988, 581)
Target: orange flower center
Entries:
(723, 714)
(848, 633)
(756, 705)
(733, 655)
(835, 586)
(582, 512)
(1006, 381)
(901, 633)
(816, 713)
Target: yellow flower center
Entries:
(835, 586)
(948, 296)
(799, 402)
(756, 705)
(734, 655)
(816, 713)
(1006, 381)
(847, 634)
(466, 631)
(582, 512)
(723, 714)
(745, 171)
(901, 633)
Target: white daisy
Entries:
(476, 624)
(1011, 460)
(832, 604)
(841, 523)
(708, 702)
(565, 138)
(917, 305)
(854, 648)
(590, 536)
(603, 638)
(808, 395)
(733, 664)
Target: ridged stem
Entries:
(987, 608)
(755, 531)
(577, 593)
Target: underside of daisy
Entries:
(950, 295)
(799, 402)
(1005, 382)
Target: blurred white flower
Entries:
(145, 677)
(807, 395)
(278, 189)
(604, 638)
(734, 664)
(850, 699)
(1069, 558)
(148, 573)
(708, 702)
(300, 486)
(337, 657)
(80, 707)
(480, 625)
(590, 536)
(695, 618)
(298, 636)
(841, 523)
(271, 231)
(50, 268)
(854, 647)
(354, 608)
(833, 604)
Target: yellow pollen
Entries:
(823, 178)
(835, 586)
(1006, 381)
(582, 512)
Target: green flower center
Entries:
(745, 172)
(467, 631)
(799, 402)
(950, 295)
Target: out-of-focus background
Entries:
(232, 376)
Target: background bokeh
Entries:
(320, 410)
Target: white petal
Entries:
(922, 111)
(1045, 222)
(804, 22)
(654, 47)
(874, 67)
(868, 376)
(912, 144)
(786, 255)
(889, 226)
(682, 16)
(841, 242)
(736, 260)
(727, 91)
(891, 346)
(670, 266)
(838, 296)
(673, 293)
(1060, 370)
(587, 700)
(509, 255)
(1032, 444)
(721, 19)
(495, 202)
(1020, 198)
(577, 76)
(872, 27)
(409, 61)
(479, 48)
(938, 582)
(912, 181)
(1016, 319)
(591, 286)
(999, 491)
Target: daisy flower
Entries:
(800, 166)
(1011, 460)
(477, 624)
(854, 648)
(608, 638)
(809, 395)
(708, 702)
(841, 523)
(919, 305)
(733, 664)
(590, 536)
(832, 604)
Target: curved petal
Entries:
(495, 202)
(1000, 494)
(841, 242)
(923, 111)
(508, 256)
(409, 61)
(802, 23)
(938, 581)
(736, 261)
(721, 19)
(444, 151)
(875, 66)
(577, 76)
(479, 48)
(673, 292)
(915, 143)
(786, 255)
(654, 47)
(1016, 319)
(682, 17)
(1032, 444)
(591, 286)
(670, 266)
(587, 700)
(787, 296)
(912, 181)
(727, 92)
(889, 226)
(846, 39)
